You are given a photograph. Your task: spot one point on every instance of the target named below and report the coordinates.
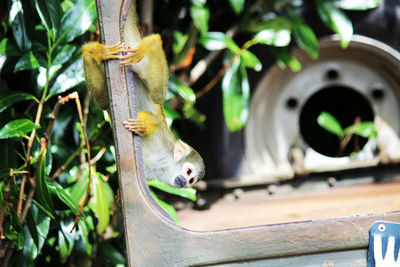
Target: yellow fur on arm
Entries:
(151, 121)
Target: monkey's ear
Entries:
(181, 150)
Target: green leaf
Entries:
(184, 92)
(77, 20)
(21, 240)
(18, 27)
(236, 96)
(30, 250)
(113, 167)
(63, 53)
(8, 99)
(65, 197)
(336, 20)
(69, 78)
(365, 129)
(191, 113)
(250, 60)
(304, 35)
(79, 189)
(237, 5)
(189, 193)
(330, 123)
(99, 203)
(66, 240)
(43, 209)
(285, 59)
(42, 193)
(214, 40)
(180, 40)
(9, 48)
(83, 232)
(200, 16)
(50, 14)
(27, 62)
(274, 32)
(17, 128)
(165, 206)
(271, 37)
(357, 4)
(39, 226)
(170, 114)
(113, 256)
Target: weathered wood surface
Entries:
(350, 258)
(152, 239)
(288, 204)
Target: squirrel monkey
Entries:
(166, 159)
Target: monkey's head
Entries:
(188, 166)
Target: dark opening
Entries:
(292, 103)
(378, 93)
(332, 74)
(345, 104)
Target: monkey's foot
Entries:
(135, 126)
(114, 51)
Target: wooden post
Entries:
(153, 239)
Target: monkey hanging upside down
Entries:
(166, 159)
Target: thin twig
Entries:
(54, 113)
(9, 248)
(95, 158)
(28, 156)
(217, 77)
(21, 195)
(79, 107)
(75, 154)
(32, 182)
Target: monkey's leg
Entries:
(153, 71)
(148, 44)
(146, 123)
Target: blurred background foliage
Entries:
(43, 152)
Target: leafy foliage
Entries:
(44, 171)
(364, 129)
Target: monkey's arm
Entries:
(94, 54)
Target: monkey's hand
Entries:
(135, 126)
(146, 123)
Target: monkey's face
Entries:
(189, 166)
(187, 176)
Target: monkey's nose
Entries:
(180, 181)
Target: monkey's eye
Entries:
(189, 171)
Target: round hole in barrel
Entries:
(346, 105)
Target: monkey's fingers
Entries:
(135, 126)
(114, 51)
(132, 56)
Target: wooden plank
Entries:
(152, 239)
(257, 207)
